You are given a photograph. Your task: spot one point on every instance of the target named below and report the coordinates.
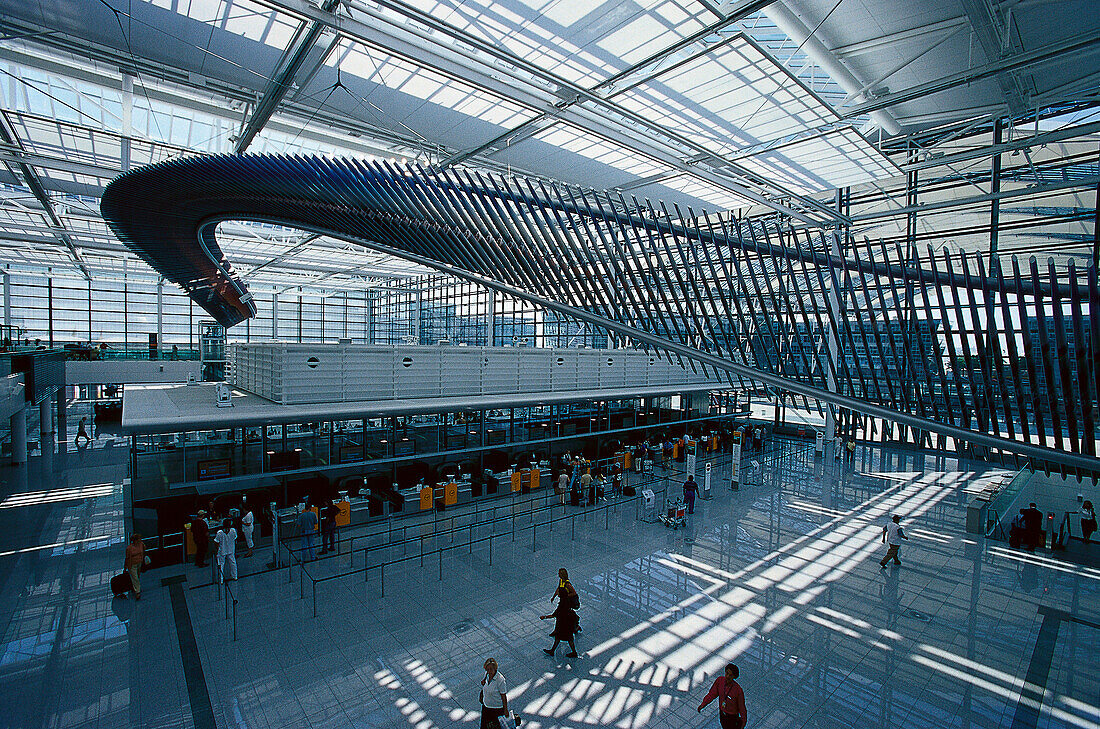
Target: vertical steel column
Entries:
(160, 313)
(49, 309)
(995, 186)
(19, 436)
(7, 304)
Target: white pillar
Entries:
(832, 349)
(275, 316)
(7, 301)
(45, 417)
(19, 436)
(160, 315)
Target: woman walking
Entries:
(135, 559)
(494, 696)
(731, 700)
(565, 627)
(1088, 521)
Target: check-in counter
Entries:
(444, 494)
(212, 525)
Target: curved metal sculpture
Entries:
(758, 304)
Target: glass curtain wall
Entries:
(125, 309)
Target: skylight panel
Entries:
(240, 17)
(586, 144)
(705, 191)
(732, 97)
(378, 67)
(636, 40)
(567, 12)
(837, 159)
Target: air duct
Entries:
(785, 19)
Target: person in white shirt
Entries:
(248, 525)
(494, 696)
(226, 539)
(893, 534)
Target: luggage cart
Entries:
(675, 514)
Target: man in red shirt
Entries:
(731, 700)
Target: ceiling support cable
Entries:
(30, 178)
(998, 148)
(609, 84)
(277, 88)
(1045, 54)
(987, 25)
(475, 49)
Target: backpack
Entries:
(571, 599)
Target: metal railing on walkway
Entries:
(549, 505)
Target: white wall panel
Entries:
(368, 373)
(416, 372)
(461, 370)
(563, 370)
(500, 368)
(295, 374)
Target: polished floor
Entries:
(781, 577)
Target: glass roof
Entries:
(385, 69)
(729, 98)
(579, 40)
(690, 185)
(574, 139)
(250, 20)
(839, 158)
(745, 91)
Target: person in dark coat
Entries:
(1033, 527)
(200, 532)
(691, 490)
(565, 628)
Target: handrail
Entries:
(229, 595)
(1004, 496)
(997, 530)
(516, 502)
(1065, 529)
(439, 551)
(606, 507)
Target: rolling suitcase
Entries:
(120, 584)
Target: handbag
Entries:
(506, 722)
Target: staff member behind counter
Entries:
(200, 532)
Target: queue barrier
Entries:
(548, 505)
